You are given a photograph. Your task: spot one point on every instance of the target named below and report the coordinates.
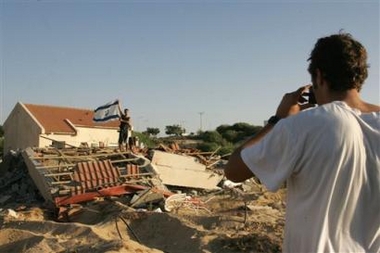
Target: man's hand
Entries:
(290, 105)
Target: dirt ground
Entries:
(243, 219)
(223, 223)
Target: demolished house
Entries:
(114, 199)
(30, 125)
(69, 176)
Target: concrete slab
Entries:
(184, 171)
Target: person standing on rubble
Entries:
(125, 130)
(329, 155)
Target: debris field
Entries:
(167, 199)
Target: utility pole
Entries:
(200, 117)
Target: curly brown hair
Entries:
(342, 60)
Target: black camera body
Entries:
(308, 98)
(311, 97)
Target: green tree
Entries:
(212, 136)
(237, 132)
(208, 146)
(223, 128)
(1, 131)
(175, 130)
(226, 149)
(230, 135)
(151, 131)
(241, 126)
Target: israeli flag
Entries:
(107, 112)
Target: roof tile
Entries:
(54, 119)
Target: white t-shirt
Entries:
(330, 158)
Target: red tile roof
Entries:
(54, 119)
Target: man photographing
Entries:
(329, 155)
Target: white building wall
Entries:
(91, 136)
(20, 130)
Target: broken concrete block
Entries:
(184, 171)
(146, 197)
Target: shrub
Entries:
(208, 146)
(148, 142)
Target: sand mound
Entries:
(18, 234)
(224, 225)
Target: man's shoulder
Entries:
(371, 108)
(314, 116)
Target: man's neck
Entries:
(352, 99)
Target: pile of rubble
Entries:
(167, 199)
(63, 179)
(15, 183)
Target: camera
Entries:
(308, 97)
(311, 97)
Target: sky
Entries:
(198, 64)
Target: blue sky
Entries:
(193, 63)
